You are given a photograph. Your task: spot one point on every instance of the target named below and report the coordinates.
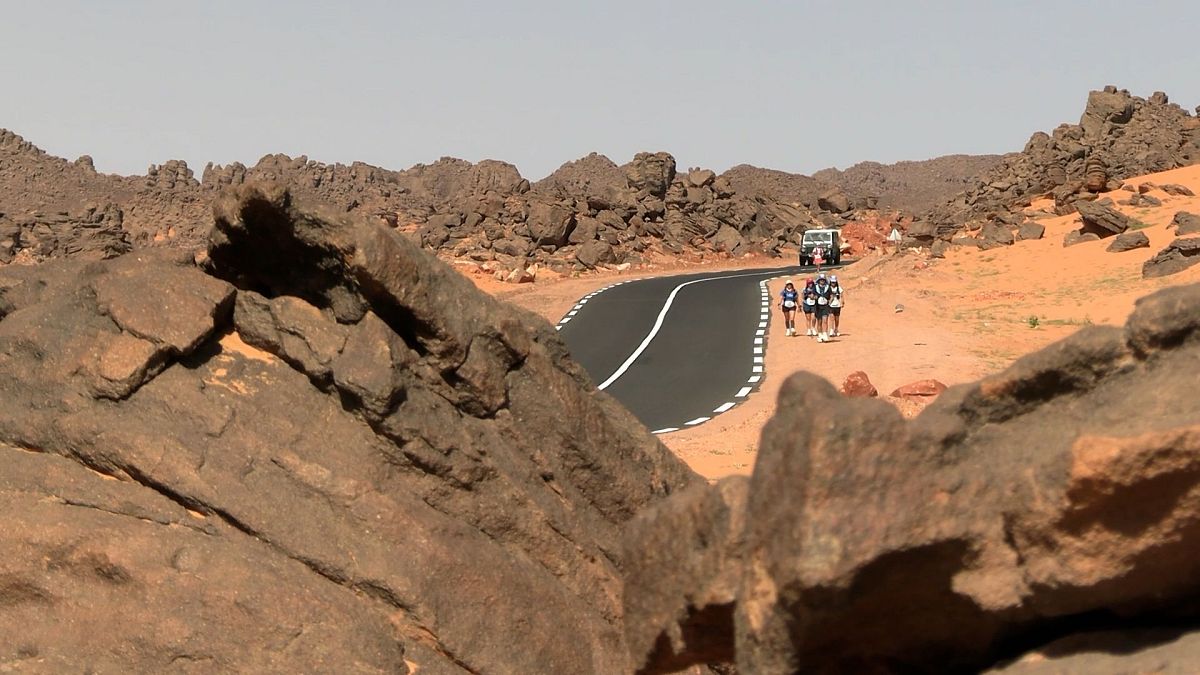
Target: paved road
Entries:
(676, 350)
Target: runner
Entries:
(818, 257)
(788, 299)
(809, 305)
(822, 290)
(837, 298)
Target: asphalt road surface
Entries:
(676, 351)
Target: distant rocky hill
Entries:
(590, 212)
(911, 187)
(1119, 135)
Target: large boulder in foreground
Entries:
(1057, 497)
(328, 453)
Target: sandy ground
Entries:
(965, 316)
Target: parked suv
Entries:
(830, 241)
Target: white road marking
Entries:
(658, 323)
(758, 341)
(758, 350)
(665, 431)
(757, 369)
(755, 379)
(565, 320)
(760, 332)
(762, 324)
(724, 406)
(698, 420)
(743, 392)
(758, 359)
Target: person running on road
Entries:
(837, 298)
(818, 257)
(789, 298)
(822, 313)
(808, 303)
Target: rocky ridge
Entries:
(912, 187)
(1118, 136)
(590, 212)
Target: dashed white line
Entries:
(724, 406)
(698, 420)
(743, 392)
(758, 350)
(755, 379)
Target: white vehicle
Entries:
(830, 242)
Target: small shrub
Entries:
(1033, 321)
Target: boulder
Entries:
(1030, 230)
(586, 229)
(701, 177)
(1095, 175)
(1011, 513)
(262, 467)
(834, 200)
(729, 240)
(1101, 219)
(650, 173)
(1106, 108)
(1179, 255)
(1177, 190)
(1186, 223)
(921, 389)
(1077, 237)
(549, 224)
(857, 385)
(1128, 241)
(595, 252)
(993, 235)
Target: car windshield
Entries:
(818, 238)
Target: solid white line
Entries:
(743, 392)
(658, 323)
(665, 431)
(724, 406)
(698, 420)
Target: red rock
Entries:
(857, 385)
(920, 389)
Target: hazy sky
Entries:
(797, 85)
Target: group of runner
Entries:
(821, 304)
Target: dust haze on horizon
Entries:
(791, 86)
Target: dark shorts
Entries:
(822, 311)
(836, 311)
(808, 309)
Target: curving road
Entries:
(676, 350)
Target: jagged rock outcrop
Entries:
(1118, 136)
(1011, 513)
(329, 451)
(484, 212)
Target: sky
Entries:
(797, 86)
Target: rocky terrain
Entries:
(1119, 135)
(251, 422)
(591, 212)
(1022, 513)
(324, 451)
(910, 187)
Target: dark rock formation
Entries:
(1118, 136)
(1186, 223)
(331, 453)
(1012, 512)
(1176, 257)
(1101, 220)
(1128, 241)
